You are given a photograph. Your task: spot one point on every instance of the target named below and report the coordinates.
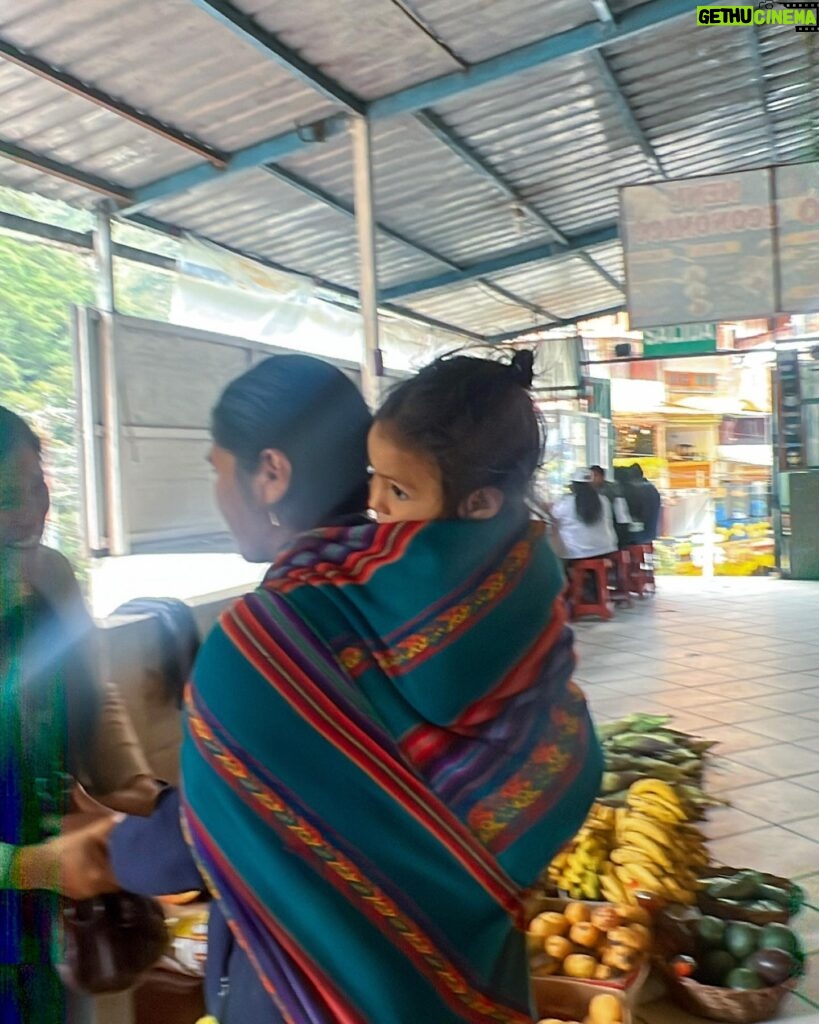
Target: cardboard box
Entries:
(568, 999)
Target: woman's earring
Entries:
(274, 519)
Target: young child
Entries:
(459, 440)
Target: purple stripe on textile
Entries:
(295, 997)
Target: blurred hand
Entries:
(83, 867)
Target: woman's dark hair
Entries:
(475, 418)
(15, 434)
(587, 502)
(307, 409)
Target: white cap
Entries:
(582, 476)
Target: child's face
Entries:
(405, 485)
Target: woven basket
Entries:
(726, 1004)
(708, 905)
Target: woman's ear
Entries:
(271, 481)
(484, 503)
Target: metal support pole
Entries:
(104, 258)
(112, 473)
(372, 367)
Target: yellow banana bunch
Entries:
(656, 848)
(578, 867)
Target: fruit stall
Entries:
(637, 894)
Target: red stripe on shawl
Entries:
(452, 994)
(254, 643)
(426, 743)
(389, 544)
(343, 1012)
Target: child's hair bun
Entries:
(522, 367)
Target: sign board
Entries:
(687, 339)
(797, 194)
(699, 249)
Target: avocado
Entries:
(711, 932)
(778, 936)
(714, 966)
(743, 886)
(742, 939)
(743, 978)
(772, 965)
(774, 893)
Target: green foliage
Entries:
(39, 283)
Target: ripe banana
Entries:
(614, 890)
(657, 852)
(629, 855)
(658, 809)
(678, 892)
(656, 786)
(661, 834)
(638, 876)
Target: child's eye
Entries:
(401, 495)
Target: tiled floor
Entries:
(737, 660)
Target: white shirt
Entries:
(578, 539)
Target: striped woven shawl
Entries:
(384, 748)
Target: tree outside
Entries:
(39, 284)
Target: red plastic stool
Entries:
(599, 568)
(642, 569)
(621, 591)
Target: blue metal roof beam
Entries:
(580, 40)
(762, 92)
(250, 32)
(73, 175)
(65, 80)
(435, 124)
(251, 157)
(334, 289)
(498, 264)
(340, 206)
(565, 44)
(627, 114)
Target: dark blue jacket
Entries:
(150, 857)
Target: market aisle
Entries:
(738, 660)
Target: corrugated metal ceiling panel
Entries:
(474, 308)
(169, 58)
(568, 286)
(46, 119)
(427, 192)
(262, 216)
(478, 29)
(559, 137)
(369, 46)
(27, 179)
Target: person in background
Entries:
(370, 795)
(649, 505)
(60, 727)
(611, 489)
(584, 521)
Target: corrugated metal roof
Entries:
(473, 307)
(169, 58)
(557, 134)
(262, 216)
(549, 144)
(425, 191)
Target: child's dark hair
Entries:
(476, 419)
(15, 434)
